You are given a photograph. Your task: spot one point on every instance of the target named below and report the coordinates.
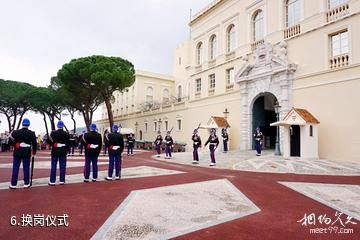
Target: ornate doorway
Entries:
(264, 76)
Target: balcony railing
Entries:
(229, 87)
(211, 63)
(229, 55)
(198, 68)
(211, 91)
(338, 12)
(292, 31)
(339, 61)
(257, 44)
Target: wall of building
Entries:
(328, 93)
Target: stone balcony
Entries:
(198, 68)
(338, 12)
(292, 31)
(229, 87)
(229, 55)
(211, 63)
(339, 61)
(211, 91)
(257, 44)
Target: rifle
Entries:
(32, 169)
(198, 126)
(171, 129)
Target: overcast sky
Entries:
(38, 36)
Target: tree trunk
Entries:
(46, 126)
(21, 117)
(52, 121)
(73, 119)
(110, 114)
(14, 121)
(86, 120)
(8, 118)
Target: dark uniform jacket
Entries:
(93, 143)
(72, 139)
(225, 137)
(115, 142)
(158, 140)
(196, 140)
(169, 141)
(258, 136)
(24, 140)
(60, 143)
(213, 142)
(130, 140)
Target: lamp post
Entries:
(226, 113)
(277, 144)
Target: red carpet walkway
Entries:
(89, 205)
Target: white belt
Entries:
(115, 147)
(168, 142)
(59, 145)
(212, 143)
(24, 145)
(93, 145)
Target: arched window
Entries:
(165, 95)
(149, 94)
(212, 45)
(258, 25)
(292, 10)
(230, 38)
(179, 93)
(199, 53)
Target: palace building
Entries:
(248, 57)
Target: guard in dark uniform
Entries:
(213, 142)
(168, 145)
(258, 135)
(81, 142)
(71, 148)
(131, 143)
(116, 146)
(157, 143)
(225, 137)
(196, 145)
(59, 141)
(24, 142)
(93, 146)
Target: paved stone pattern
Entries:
(166, 212)
(247, 161)
(131, 172)
(342, 197)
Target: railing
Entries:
(339, 61)
(229, 87)
(198, 68)
(257, 44)
(292, 31)
(337, 12)
(211, 91)
(211, 63)
(229, 55)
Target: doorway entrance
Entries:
(295, 141)
(263, 113)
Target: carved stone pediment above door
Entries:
(266, 70)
